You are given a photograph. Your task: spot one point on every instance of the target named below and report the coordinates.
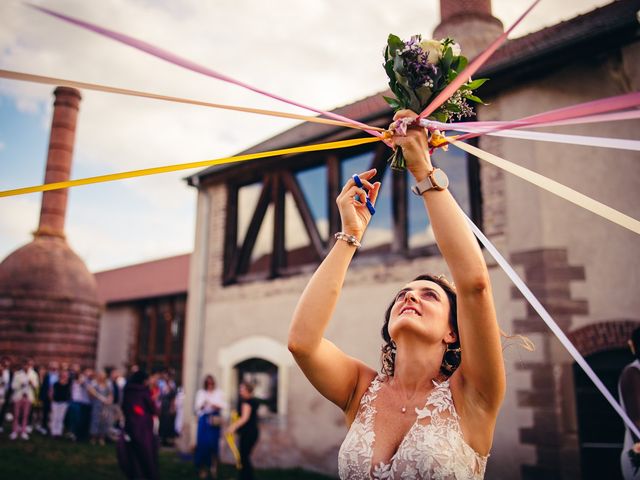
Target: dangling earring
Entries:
(450, 360)
(388, 358)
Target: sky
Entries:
(324, 53)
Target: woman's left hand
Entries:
(354, 214)
(414, 147)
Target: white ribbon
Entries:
(556, 188)
(535, 303)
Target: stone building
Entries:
(49, 306)
(263, 226)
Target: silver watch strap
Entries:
(422, 186)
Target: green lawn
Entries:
(45, 458)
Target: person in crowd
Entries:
(35, 413)
(60, 398)
(138, 446)
(101, 399)
(116, 383)
(154, 388)
(6, 377)
(167, 408)
(209, 405)
(24, 386)
(247, 427)
(80, 407)
(629, 392)
(49, 378)
(179, 407)
(442, 368)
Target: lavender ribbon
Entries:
(537, 306)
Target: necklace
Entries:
(403, 408)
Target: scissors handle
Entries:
(359, 184)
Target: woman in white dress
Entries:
(209, 406)
(431, 413)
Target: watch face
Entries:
(440, 178)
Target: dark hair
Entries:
(247, 385)
(208, 378)
(452, 357)
(138, 377)
(635, 339)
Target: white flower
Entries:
(382, 471)
(433, 49)
(455, 49)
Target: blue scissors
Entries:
(359, 184)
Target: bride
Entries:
(432, 410)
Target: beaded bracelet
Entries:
(350, 239)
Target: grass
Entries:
(46, 458)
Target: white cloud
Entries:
(19, 217)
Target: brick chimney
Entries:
(61, 141)
(470, 23)
(49, 305)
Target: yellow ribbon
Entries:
(231, 441)
(554, 187)
(135, 93)
(185, 166)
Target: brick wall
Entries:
(603, 336)
(550, 397)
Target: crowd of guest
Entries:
(66, 401)
(134, 410)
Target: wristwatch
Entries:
(436, 180)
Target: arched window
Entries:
(265, 363)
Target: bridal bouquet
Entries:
(418, 71)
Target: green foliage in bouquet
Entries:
(418, 71)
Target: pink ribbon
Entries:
(605, 109)
(472, 67)
(604, 105)
(488, 125)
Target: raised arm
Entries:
(482, 368)
(333, 373)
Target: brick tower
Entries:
(49, 306)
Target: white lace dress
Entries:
(433, 448)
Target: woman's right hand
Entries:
(354, 214)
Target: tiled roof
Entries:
(617, 17)
(605, 27)
(166, 276)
